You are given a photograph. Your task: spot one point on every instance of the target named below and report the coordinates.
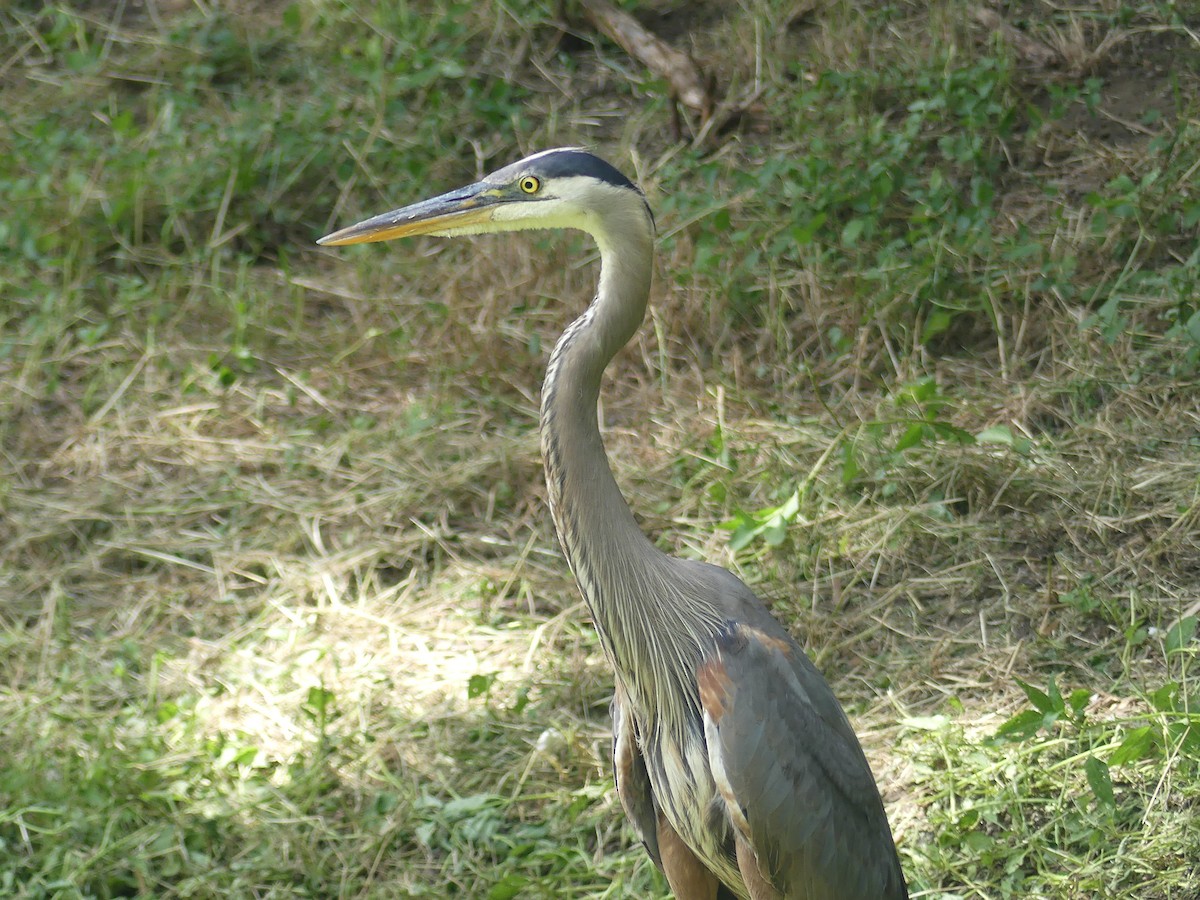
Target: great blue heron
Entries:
(733, 760)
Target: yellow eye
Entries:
(530, 185)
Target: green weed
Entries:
(283, 612)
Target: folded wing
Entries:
(796, 785)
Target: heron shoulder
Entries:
(733, 598)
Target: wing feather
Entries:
(632, 779)
(794, 779)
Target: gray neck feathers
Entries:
(639, 598)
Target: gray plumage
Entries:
(734, 762)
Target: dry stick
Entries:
(678, 69)
(1034, 51)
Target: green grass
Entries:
(283, 614)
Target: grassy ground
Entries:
(283, 614)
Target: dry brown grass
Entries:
(281, 589)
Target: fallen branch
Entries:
(687, 83)
(1033, 51)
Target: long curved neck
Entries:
(651, 615)
(592, 519)
(600, 538)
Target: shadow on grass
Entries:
(153, 768)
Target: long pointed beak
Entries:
(457, 210)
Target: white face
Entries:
(590, 199)
(574, 201)
(556, 203)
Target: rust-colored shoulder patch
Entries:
(716, 688)
(769, 642)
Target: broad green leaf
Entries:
(774, 535)
(1192, 327)
(508, 887)
(1137, 744)
(1079, 699)
(947, 432)
(853, 231)
(996, 434)
(1040, 699)
(743, 535)
(1099, 781)
(851, 470)
(477, 685)
(1055, 697)
(464, 807)
(935, 323)
(1002, 434)
(316, 702)
(1023, 725)
(911, 438)
(1181, 634)
(805, 232)
(1163, 699)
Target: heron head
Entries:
(563, 188)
